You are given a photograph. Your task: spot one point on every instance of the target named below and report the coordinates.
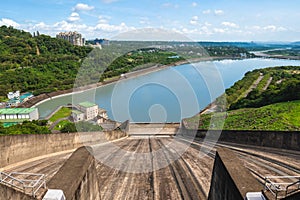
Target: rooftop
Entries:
(87, 104)
(11, 111)
(77, 112)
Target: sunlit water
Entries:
(167, 95)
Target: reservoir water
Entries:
(167, 95)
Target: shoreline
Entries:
(37, 100)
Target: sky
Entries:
(201, 20)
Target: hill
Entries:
(265, 99)
(39, 64)
(280, 116)
(262, 87)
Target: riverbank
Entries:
(264, 54)
(37, 100)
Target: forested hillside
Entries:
(263, 87)
(265, 99)
(39, 64)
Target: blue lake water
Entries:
(167, 95)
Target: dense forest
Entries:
(39, 64)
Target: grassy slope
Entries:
(279, 116)
(62, 113)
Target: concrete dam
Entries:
(150, 161)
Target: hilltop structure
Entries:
(74, 38)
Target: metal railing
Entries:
(281, 189)
(28, 183)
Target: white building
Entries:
(18, 114)
(13, 95)
(78, 115)
(89, 109)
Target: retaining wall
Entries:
(77, 178)
(16, 148)
(276, 139)
(230, 179)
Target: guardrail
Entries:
(282, 189)
(28, 183)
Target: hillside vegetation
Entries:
(43, 64)
(265, 99)
(280, 116)
(40, 64)
(273, 85)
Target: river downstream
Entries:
(167, 95)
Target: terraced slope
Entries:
(279, 116)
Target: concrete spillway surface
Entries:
(135, 168)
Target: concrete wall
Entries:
(8, 193)
(295, 196)
(277, 139)
(16, 148)
(115, 134)
(77, 178)
(230, 179)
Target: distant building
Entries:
(78, 115)
(88, 111)
(74, 38)
(15, 99)
(12, 95)
(18, 115)
(101, 41)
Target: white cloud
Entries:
(144, 22)
(103, 19)
(206, 12)
(66, 26)
(274, 28)
(268, 28)
(219, 12)
(113, 28)
(74, 17)
(207, 24)
(83, 7)
(41, 26)
(194, 20)
(194, 4)
(9, 22)
(170, 5)
(230, 24)
(219, 30)
(109, 1)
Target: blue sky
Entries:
(204, 20)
